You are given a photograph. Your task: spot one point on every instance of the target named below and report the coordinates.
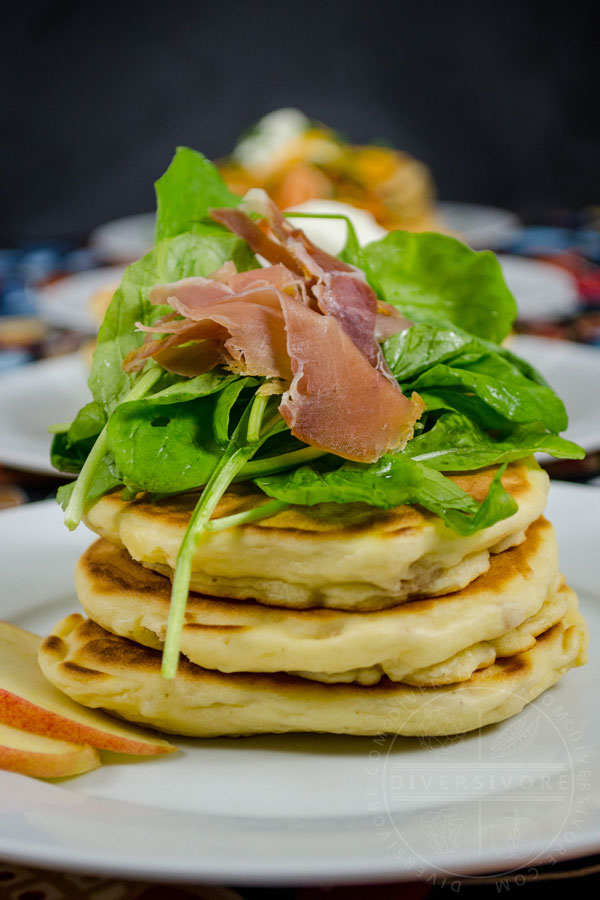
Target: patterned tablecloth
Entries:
(571, 241)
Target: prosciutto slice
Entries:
(248, 326)
(309, 321)
(336, 398)
(339, 289)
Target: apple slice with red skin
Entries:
(44, 757)
(29, 702)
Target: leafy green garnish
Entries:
(392, 481)
(168, 447)
(457, 443)
(96, 457)
(437, 279)
(184, 194)
(454, 370)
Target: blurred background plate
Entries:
(66, 303)
(543, 291)
(33, 397)
(573, 371)
(481, 227)
(123, 240)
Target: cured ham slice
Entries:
(337, 400)
(340, 289)
(242, 225)
(249, 327)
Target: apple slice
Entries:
(43, 757)
(30, 702)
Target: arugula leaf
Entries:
(69, 456)
(457, 443)
(89, 422)
(416, 349)
(437, 279)
(391, 481)
(225, 403)
(183, 390)
(187, 190)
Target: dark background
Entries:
(499, 99)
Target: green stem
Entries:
(236, 455)
(256, 417)
(212, 493)
(277, 463)
(58, 427)
(74, 510)
(252, 515)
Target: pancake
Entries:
(340, 556)
(99, 669)
(429, 641)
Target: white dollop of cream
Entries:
(331, 234)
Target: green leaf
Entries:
(417, 349)
(67, 456)
(224, 405)
(493, 382)
(167, 447)
(392, 481)
(437, 279)
(69, 449)
(457, 443)
(89, 422)
(189, 188)
(497, 505)
(187, 389)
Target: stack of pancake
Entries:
(336, 618)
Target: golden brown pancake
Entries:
(429, 641)
(99, 669)
(341, 556)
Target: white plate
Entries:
(573, 371)
(542, 291)
(310, 808)
(66, 303)
(481, 227)
(31, 398)
(124, 240)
